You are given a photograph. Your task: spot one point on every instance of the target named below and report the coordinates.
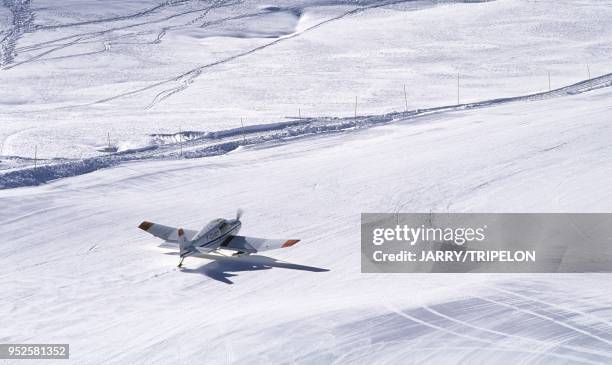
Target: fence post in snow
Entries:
(355, 108)
(458, 95)
(588, 71)
(589, 74)
(405, 98)
(299, 113)
(180, 142)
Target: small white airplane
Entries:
(219, 234)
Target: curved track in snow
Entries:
(22, 22)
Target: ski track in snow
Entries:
(475, 328)
(557, 334)
(189, 77)
(139, 14)
(22, 22)
(185, 79)
(204, 144)
(88, 37)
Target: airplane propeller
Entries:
(239, 213)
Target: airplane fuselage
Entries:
(215, 233)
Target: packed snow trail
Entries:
(205, 144)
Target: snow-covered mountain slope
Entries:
(74, 71)
(74, 268)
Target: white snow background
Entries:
(75, 269)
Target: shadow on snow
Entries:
(221, 269)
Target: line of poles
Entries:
(243, 130)
(406, 98)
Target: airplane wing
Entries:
(253, 244)
(169, 234)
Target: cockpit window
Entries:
(212, 224)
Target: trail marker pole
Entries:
(355, 108)
(589, 71)
(35, 157)
(299, 113)
(405, 98)
(458, 95)
(549, 85)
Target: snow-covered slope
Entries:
(19, 171)
(77, 70)
(75, 268)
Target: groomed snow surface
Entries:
(74, 267)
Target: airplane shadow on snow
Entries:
(221, 269)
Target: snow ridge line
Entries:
(205, 144)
